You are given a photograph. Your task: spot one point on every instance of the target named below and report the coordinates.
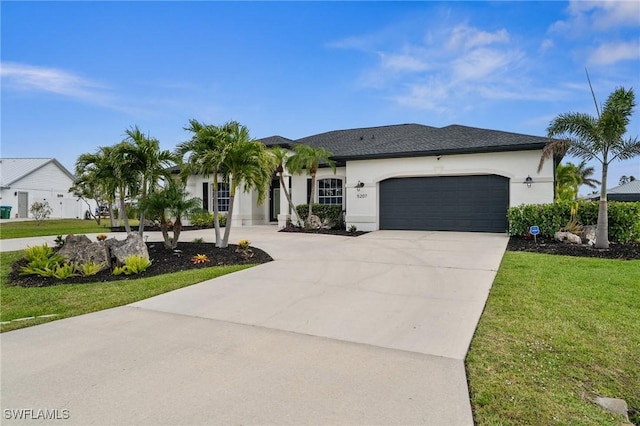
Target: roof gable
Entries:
(14, 169)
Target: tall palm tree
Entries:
(600, 138)
(247, 163)
(144, 158)
(203, 154)
(280, 157)
(308, 158)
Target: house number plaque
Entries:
(361, 195)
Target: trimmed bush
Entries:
(204, 219)
(624, 218)
(324, 211)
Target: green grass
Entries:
(556, 332)
(54, 227)
(68, 300)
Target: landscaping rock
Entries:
(80, 249)
(314, 222)
(567, 237)
(614, 405)
(133, 245)
(588, 234)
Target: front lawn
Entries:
(557, 331)
(54, 227)
(68, 300)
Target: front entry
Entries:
(23, 204)
(274, 200)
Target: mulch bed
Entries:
(342, 232)
(163, 261)
(629, 251)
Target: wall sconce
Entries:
(528, 181)
(359, 185)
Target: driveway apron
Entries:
(336, 330)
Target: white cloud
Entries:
(404, 62)
(610, 53)
(546, 44)
(587, 16)
(465, 37)
(32, 78)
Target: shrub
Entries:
(40, 258)
(204, 219)
(332, 213)
(133, 264)
(198, 240)
(624, 218)
(243, 244)
(40, 211)
(59, 241)
(65, 270)
(38, 252)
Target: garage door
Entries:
(445, 203)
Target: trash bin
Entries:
(5, 212)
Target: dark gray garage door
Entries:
(445, 203)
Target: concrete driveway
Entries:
(337, 330)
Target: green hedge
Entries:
(204, 219)
(624, 218)
(323, 211)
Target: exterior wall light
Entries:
(359, 185)
(528, 181)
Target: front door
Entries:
(23, 204)
(274, 200)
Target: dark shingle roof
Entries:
(277, 140)
(407, 140)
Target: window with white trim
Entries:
(330, 191)
(223, 197)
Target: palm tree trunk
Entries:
(216, 212)
(227, 228)
(165, 233)
(124, 213)
(288, 196)
(144, 194)
(312, 194)
(177, 228)
(602, 229)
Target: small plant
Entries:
(198, 240)
(101, 237)
(89, 268)
(133, 264)
(353, 229)
(39, 259)
(243, 244)
(65, 270)
(199, 258)
(573, 226)
(244, 250)
(59, 241)
(38, 252)
(40, 211)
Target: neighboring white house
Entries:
(408, 176)
(24, 181)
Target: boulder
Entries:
(80, 249)
(314, 222)
(588, 234)
(132, 245)
(567, 237)
(614, 405)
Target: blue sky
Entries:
(75, 75)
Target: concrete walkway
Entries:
(337, 330)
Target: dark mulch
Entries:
(163, 261)
(343, 232)
(629, 251)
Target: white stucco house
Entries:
(24, 181)
(408, 177)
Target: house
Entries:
(629, 191)
(408, 177)
(24, 181)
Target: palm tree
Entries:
(585, 174)
(246, 162)
(600, 138)
(204, 154)
(568, 180)
(309, 158)
(280, 157)
(170, 202)
(144, 158)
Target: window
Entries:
(223, 197)
(330, 191)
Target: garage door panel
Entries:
(445, 203)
